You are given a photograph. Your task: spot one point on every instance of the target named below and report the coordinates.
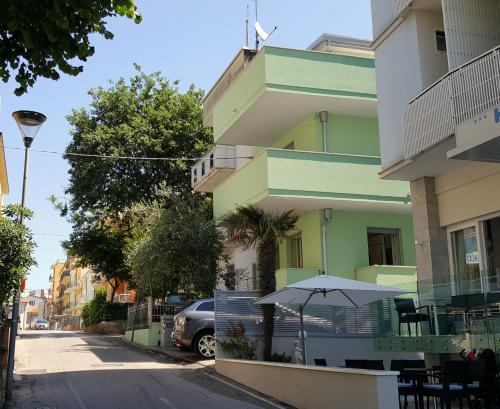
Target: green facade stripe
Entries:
(319, 91)
(323, 157)
(341, 196)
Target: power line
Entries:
(143, 158)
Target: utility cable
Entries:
(143, 158)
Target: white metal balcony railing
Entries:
(123, 298)
(460, 95)
(220, 157)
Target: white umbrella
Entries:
(328, 290)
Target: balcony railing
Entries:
(459, 96)
(214, 167)
(124, 298)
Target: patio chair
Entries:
(356, 363)
(320, 362)
(409, 314)
(375, 364)
(407, 385)
(456, 383)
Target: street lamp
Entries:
(28, 122)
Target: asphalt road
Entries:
(72, 370)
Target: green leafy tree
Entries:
(180, 250)
(250, 226)
(146, 116)
(41, 38)
(16, 250)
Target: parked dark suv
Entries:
(194, 328)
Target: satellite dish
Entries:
(261, 32)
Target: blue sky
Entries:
(189, 40)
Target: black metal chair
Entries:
(320, 362)
(455, 384)
(356, 363)
(409, 314)
(407, 383)
(464, 304)
(375, 364)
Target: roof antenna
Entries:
(260, 33)
(246, 25)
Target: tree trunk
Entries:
(267, 273)
(113, 288)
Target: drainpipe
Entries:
(327, 216)
(323, 117)
(327, 213)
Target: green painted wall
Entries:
(247, 185)
(149, 337)
(348, 243)
(353, 135)
(306, 136)
(397, 276)
(286, 276)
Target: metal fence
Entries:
(142, 315)
(138, 317)
(233, 308)
(457, 97)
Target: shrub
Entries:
(98, 310)
(237, 345)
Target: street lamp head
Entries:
(28, 122)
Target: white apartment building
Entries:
(438, 86)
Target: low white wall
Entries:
(337, 350)
(307, 387)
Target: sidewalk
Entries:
(176, 354)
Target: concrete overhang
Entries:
(274, 112)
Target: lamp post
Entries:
(28, 122)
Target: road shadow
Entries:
(124, 388)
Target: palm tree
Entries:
(250, 226)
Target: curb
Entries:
(168, 354)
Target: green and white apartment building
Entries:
(438, 87)
(297, 129)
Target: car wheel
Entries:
(204, 345)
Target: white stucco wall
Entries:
(407, 62)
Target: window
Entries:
(206, 306)
(211, 160)
(440, 42)
(290, 146)
(466, 263)
(32, 303)
(296, 258)
(195, 175)
(203, 168)
(384, 247)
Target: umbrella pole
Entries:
(302, 338)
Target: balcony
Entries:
(462, 103)
(396, 276)
(215, 167)
(278, 179)
(285, 276)
(280, 87)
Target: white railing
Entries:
(220, 157)
(123, 298)
(460, 95)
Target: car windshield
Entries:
(42, 321)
